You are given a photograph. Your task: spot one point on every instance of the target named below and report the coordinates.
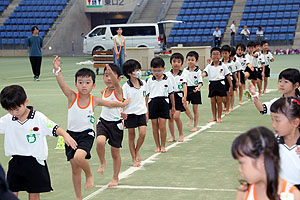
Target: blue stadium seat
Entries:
(253, 9)
(258, 16)
(251, 16)
(265, 15)
(174, 26)
(190, 39)
(227, 10)
(218, 17)
(285, 22)
(54, 14)
(267, 9)
(181, 11)
(42, 34)
(197, 5)
(247, 9)
(186, 32)
(189, 25)
(206, 31)
(183, 39)
(188, 12)
(9, 34)
(197, 39)
(223, 4)
(238, 38)
(15, 34)
(22, 35)
(278, 22)
(191, 5)
(283, 29)
(203, 4)
(3, 34)
(209, 25)
(291, 29)
(193, 32)
(294, 15)
(271, 22)
(176, 39)
(200, 31)
(276, 29)
(217, 4)
(27, 27)
(289, 1)
(252, 37)
(185, 18)
(2, 28)
(256, 22)
(282, 37)
(196, 25)
(276, 2)
(204, 39)
(262, 3)
(13, 15)
(287, 15)
(296, 1)
(249, 23)
(242, 23)
(249, 3)
(184, 5)
(179, 32)
(173, 32)
(221, 10)
(279, 15)
(281, 7)
(223, 24)
(264, 22)
(272, 15)
(14, 27)
(291, 36)
(295, 7)
(201, 11)
(202, 25)
(260, 9)
(20, 28)
(255, 2)
(269, 29)
(198, 18)
(245, 16)
(216, 24)
(207, 11)
(214, 10)
(212, 17)
(170, 40)
(289, 7)
(192, 18)
(293, 21)
(204, 17)
(210, 4)
(229, 3)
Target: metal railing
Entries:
(138, 5)
(162, 11)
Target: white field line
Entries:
(169, 188)
(225, 131)
(150, 159)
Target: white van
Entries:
(136, 35)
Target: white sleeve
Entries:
(124, 87)
(226, 70)
(148, 86)
(271, 56)
(170, 86)
(267, 106)
(238, 65)
(2, 125)
(199, 77)
(47, 126)
(247, 60)
(263, 61)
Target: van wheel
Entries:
(97, 49)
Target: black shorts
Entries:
(258, 73)
(217, 88)
(159, 108)
(242, 77)
(112, 130)
(252, 73)
(26, 174)
(178, 103)
(267, 70)
(84, 139)
(134, 121)
(193, 97)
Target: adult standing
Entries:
(245, 35)
(217, 37)
(259, 34)
(34, 44)
(232, 34)
(119, 49)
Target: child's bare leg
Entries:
(241, 93)
(219, 105)
(213, 103)
(224, 103)
(259, 85)
(231, 103)
(163, 134)
(140, 141)
(76, 177)
(179, 125)
(188, 113)
(101, 140)
(34, 196)
(227, 103)
(155, 134)
(115, 154)
(79, 159)
(196, 117)
(131, 143)
(171, 128)
(265, 84)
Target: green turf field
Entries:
(199, 168)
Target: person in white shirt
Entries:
(245, 35)
(241, 58)
(119, 49)
(268, 59)
(217, 37)
(259, 34)
(25, 131)
(232, 34)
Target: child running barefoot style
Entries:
(285, 114)
(81, 121)
(193, 76)
(180, 93)
(135, 113)
(258, 155)
(110, 126)
(159, 88)
(25, 131)
(288, 84)
(217, 72)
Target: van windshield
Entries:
(98, 32)
(136, 31)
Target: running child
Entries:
(268, 59)
(241, 58)
(110, 126)
(260, 67)
(180, 93)
(217, 72)
(193, 76)
(134, 114)
(159, 88)
(288, 84)
(81, 121)
(258, 155)
(25, 131)
(285, 114)
(251, 63)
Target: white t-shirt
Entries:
(217, 33)
(159, 88)
(27, 138)
(260, 60)
(232, 28)
(194, 78)
(110, 114)
(119, 40)
(259, 33)
(267, 106)
(251, 60)
(137, 105)
(242, 60)
(268, 57)
(245, 32)
(216, 73)
(178, 81)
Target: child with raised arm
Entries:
(159, 88)
(217, 72)
(288, 84)
(193, 76)
(110, 126)
(180, 93)
(81, 121)
(25, 131)
(285, 114)
(258, 155)
(135, 113)
(268, 59)
(241, 58)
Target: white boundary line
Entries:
(150, 159)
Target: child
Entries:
(258, 156)
(240, 57)
(180, 93)
(251, 63)
(238, 67)
(110, 126)
(268, 58)
(285, 113)
(217, 72)
(81, 122)
(159, 88)
(25, 131)
(229, 100)
(260, 67)
(135, 113)
(194, 83)
(288, 84)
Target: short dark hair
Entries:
(12, 97)
(251, 44)
(215, 49)
(157, 62)
(85, 72)
(114, 68)
(226, 48)
(243, 47)
(34, 27)
(257, 44)
(177, 56)
(232, 51)
(264, 42)
(193, 54)
(129, 66)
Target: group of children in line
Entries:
(163, 96)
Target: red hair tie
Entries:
(296, 101)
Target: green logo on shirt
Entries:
(31, 138)
(144, 93)
(196, 82)
(180, 86)
(49, 123)
(92, 119)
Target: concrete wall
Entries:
(113, 6)
(74, 23)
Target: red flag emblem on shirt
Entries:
(166, 85)
(181, 80)
(221, 70)
(36, 129)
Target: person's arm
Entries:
(147, 114)
(115, 82)
(115, 46)
(173, 103)
(70, 94)
(184, 94)
(230, 84)
(125, 53)
(110, 104)
(255, 98)
(67, 138)
(204, 74)
(263, 70)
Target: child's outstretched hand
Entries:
(123, 115)
(56, 63)
(70, 141)
(252, 88)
